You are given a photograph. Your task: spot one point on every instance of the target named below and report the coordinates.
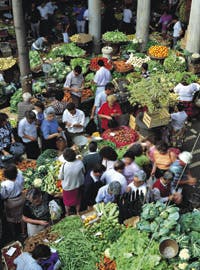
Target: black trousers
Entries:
(32, 150)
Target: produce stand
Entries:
(10, 253)
(145, 242)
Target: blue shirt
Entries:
(104, 196)
(25, 128)
(49, 127)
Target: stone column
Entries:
(22, 46)
(142, 21)
(193, 32)
(94, 7)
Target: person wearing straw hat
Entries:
(182, 175)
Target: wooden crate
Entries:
(132, 122)
(157, 119)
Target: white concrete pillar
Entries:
(142, 21)
(193, 32)
(94, 7)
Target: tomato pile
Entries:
(120, 136)
(94, 63)
(158, 51)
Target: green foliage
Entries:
(47, 156)
(174, 63)
(15, 99)
(129, 249)
(69, 49)
(75, 249)
(115, 37)
(35, 59)
(84, 63)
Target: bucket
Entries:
(168, 248)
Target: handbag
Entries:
(17, 149)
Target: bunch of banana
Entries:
(6, 63)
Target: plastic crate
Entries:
(156, 119)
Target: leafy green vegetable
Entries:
(75, 249)
(84, 63)
(15, 99)
(115, 37)
(174, 63)
(69, 49)
(47, 156)
(35, 59)
(128, 252)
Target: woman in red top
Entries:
(108, 110)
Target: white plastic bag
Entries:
(55, 210)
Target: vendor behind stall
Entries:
(74, 84)
(109, 110)
(109, 192)
(36, 210)
(39, 44)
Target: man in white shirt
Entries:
(177, 30)
(74, 119)
(116, 175)
(127, 17)
(102, 77)
(74, 83)
(44, 11)
(27, 131)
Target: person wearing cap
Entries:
(50, 129)
(138, 184)
(115, 174)
(182, 176)
(108, 192)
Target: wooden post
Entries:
(23, 53)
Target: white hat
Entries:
(186, 157)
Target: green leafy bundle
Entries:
(115, 37)
(15, 99)
(129, 252)
(159, 220)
